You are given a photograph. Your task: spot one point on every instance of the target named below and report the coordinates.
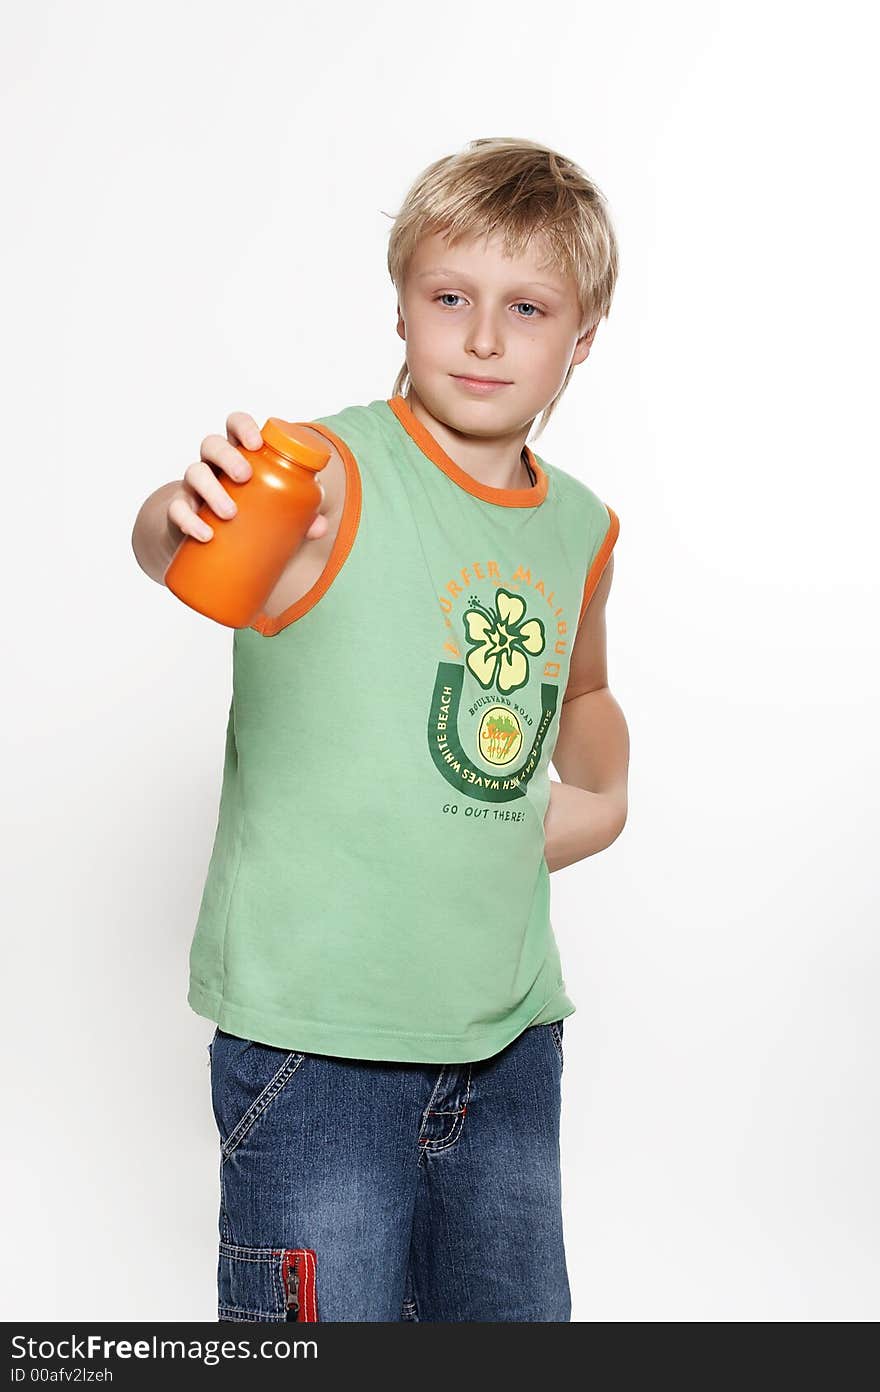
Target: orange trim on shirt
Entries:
(348, 525)
(600, 561)
(505, 497)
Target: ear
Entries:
(401, 327)
(584, 344)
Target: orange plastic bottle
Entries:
(230, 577)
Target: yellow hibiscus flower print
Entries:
(500, 642)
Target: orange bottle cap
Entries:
(282, 437)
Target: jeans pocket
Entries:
(246, 1078)
(555, 1028)
(270, 1284)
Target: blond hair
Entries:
(524, 191)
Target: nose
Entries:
(484, 337)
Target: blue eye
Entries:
(450, 295)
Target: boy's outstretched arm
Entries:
(587, 810)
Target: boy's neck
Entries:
(497, 461)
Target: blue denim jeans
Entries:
(370, 1191)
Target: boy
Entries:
(374, 942)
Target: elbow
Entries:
(617, 828)
(616, 805)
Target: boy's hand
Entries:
(201, 484)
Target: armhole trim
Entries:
(600, 561)
(348, 525)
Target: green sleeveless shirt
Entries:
(377, 887)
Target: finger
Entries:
(188, 521)
(204, 482)
(318, 528)
(242, 429)
(215, 450)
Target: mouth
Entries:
(483, 385)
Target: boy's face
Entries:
(472, 311)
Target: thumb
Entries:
(318, 527)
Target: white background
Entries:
(194, 200)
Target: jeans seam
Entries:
(259, 1104)
(452, 1135)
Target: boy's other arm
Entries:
(587, 810)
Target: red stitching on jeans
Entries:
(311, 1301)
